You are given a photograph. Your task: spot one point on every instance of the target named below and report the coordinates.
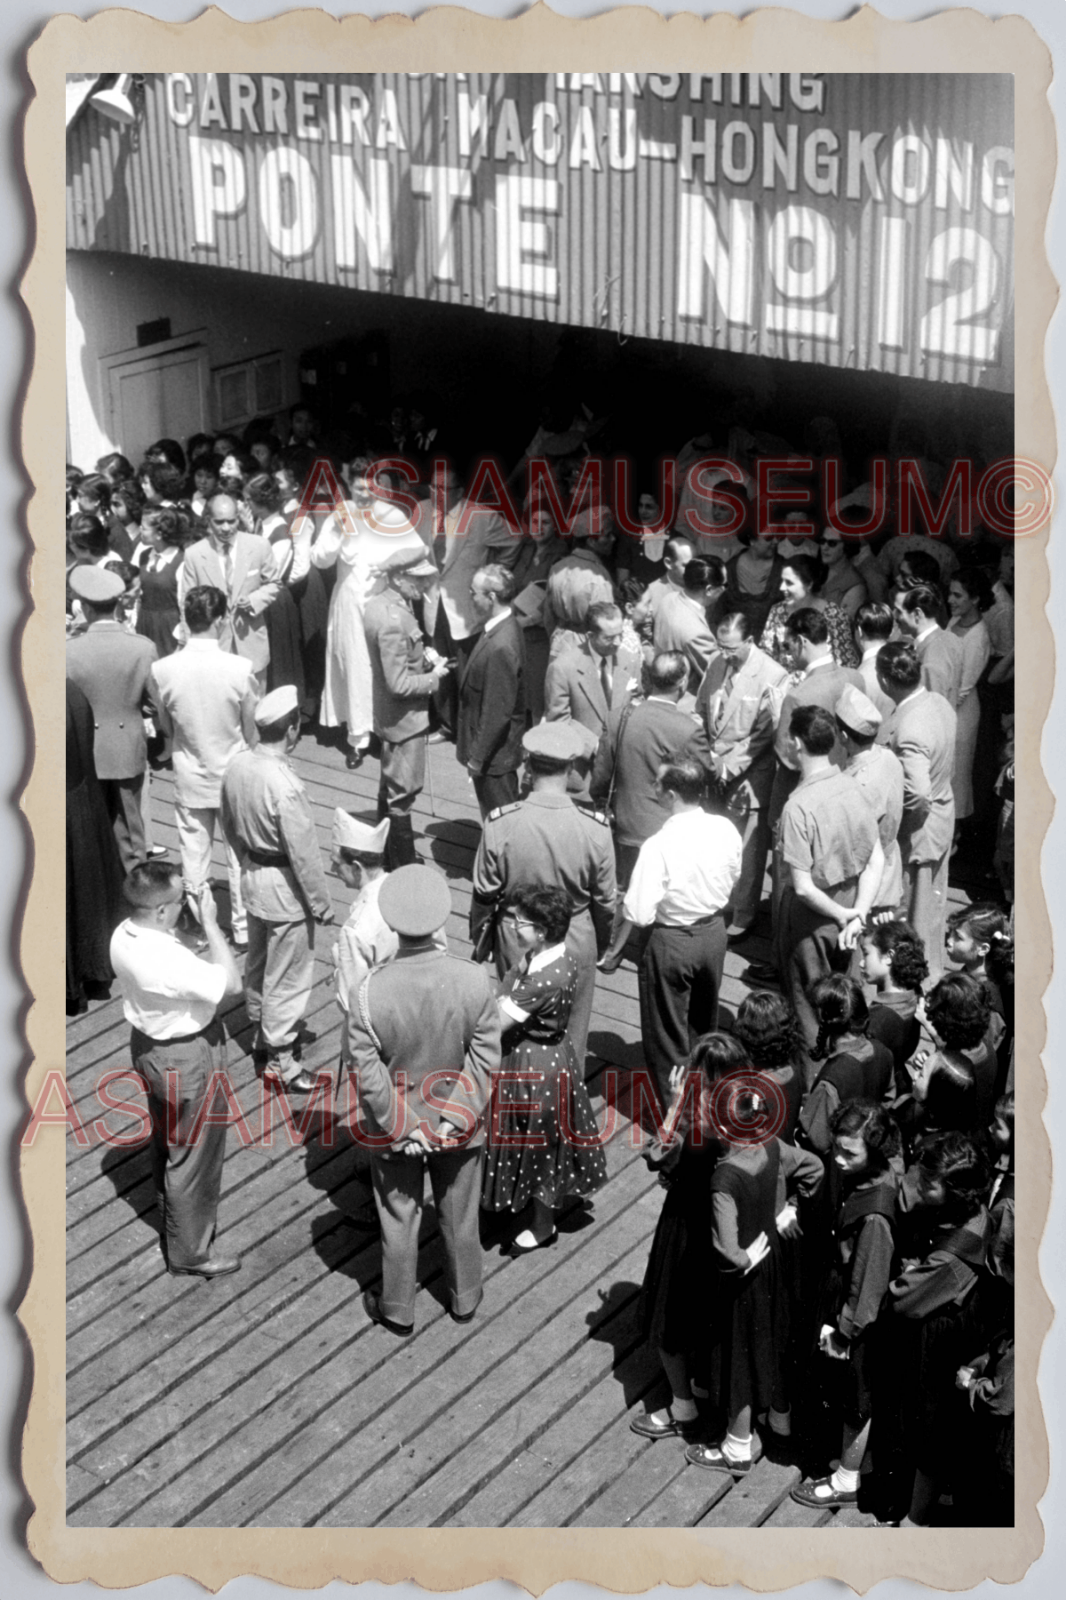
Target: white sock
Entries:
(684, 1410)
(735, 1448)
(844, 1482)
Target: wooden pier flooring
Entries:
(269, 1399)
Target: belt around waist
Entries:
(174, 1038)
(267, 858)
(686, 927)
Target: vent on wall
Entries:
(153, 332)
(248, 389)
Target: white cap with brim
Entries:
(351, 834)
(277, 705)
(415, 563)
(97, 585)
(857, 712)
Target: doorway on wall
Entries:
(162, 393)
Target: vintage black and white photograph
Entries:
(540, 797)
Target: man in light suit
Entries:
(874, 624)
(735, 705)
(682, 619)
(404, 679)
(245, 568)
(111, 667)
(492, 696)
(940, 653)
(921, 732)
(205, 703)
(586, 683)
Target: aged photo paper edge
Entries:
(451, 39)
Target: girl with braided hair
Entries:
(856, 1066)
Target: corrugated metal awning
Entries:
(857, 220)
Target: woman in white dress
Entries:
(356, 538)
(969, 594)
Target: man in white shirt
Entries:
(681, 885)
(170, 998)
(205, 703)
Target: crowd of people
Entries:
(679, 741)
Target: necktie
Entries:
(605, 678)
(227, 568)
(722, 697)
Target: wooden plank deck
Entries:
(269, 1399)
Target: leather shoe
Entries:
(372, 1307)
(215, 1267)
(303, 1083)
(540, 1244)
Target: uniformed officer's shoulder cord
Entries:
(364, 1014)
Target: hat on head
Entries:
(415, 901)
(277, 704)
(98, 585)
(857, 712)
(415, 563)
(558, 741)
(351, 834)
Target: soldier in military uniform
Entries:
(405, 676)
(547, 839)
(365, 939)
(425, 1041)
(267, 819)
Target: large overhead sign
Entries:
(859, 221)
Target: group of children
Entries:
(832, 1273)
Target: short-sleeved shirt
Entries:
(167, 991)
(879, 775)
(828, 828)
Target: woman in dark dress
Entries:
(543, 1139)
(767, 1028)
(893, 959)
(855, 1066)
(868, 1164)
(934, 1321)
(753, 1187)
(538, 551)
(679, 1280)
(163, 537)
(94, 869)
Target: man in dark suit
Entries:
(492, 696)
(111, 668)
(642, 736)
(921, 731)
(245, 568)
(425, 1039)
(405, 676)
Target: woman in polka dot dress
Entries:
(541, 1124)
